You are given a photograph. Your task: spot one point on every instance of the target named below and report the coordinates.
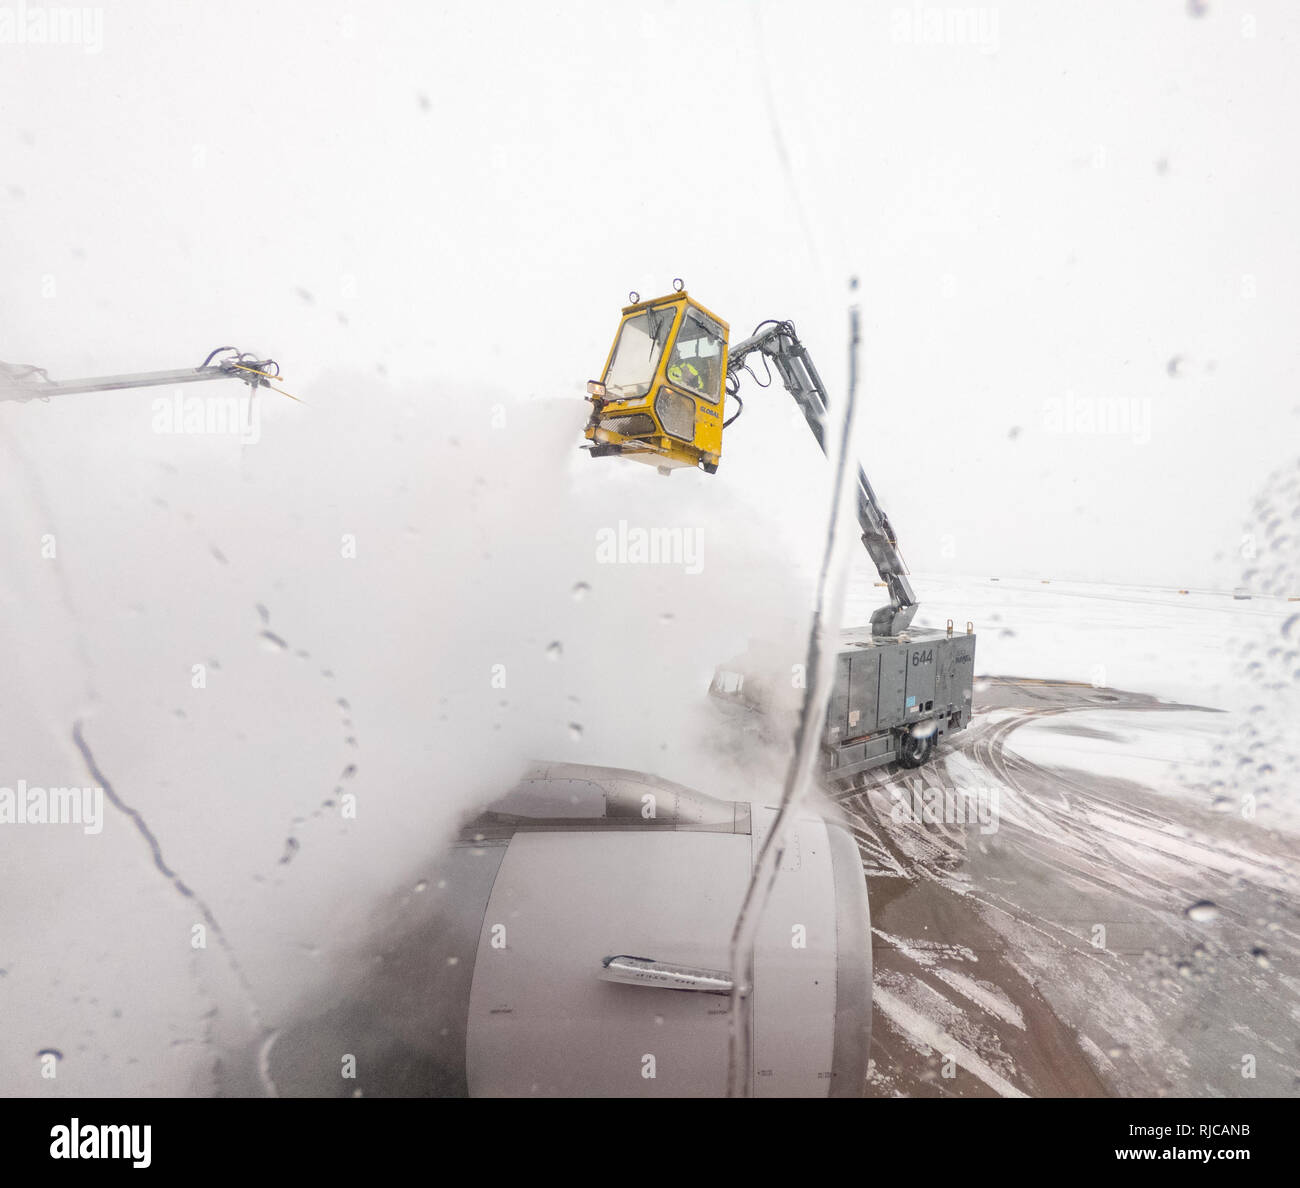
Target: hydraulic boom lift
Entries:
(661, 400)
(778, 342)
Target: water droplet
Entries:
(1291, 626)
(1203, 911)
(453, 960)
(422, 885)
(575, 731)
(272, 642)
(1261, 957)
(555, 651)
(580, 591)
(266, 614)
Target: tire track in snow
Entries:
(926, 1031)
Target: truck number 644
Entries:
(923, 657)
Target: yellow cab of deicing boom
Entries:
(660, 398)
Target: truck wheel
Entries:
(913, 751)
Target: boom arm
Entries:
(22, 382)
(778, 342)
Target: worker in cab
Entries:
(686, 375)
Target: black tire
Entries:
(913, 751)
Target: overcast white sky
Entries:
(1045, 205)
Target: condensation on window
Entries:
(636, 357)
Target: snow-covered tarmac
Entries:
(1129, 926)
